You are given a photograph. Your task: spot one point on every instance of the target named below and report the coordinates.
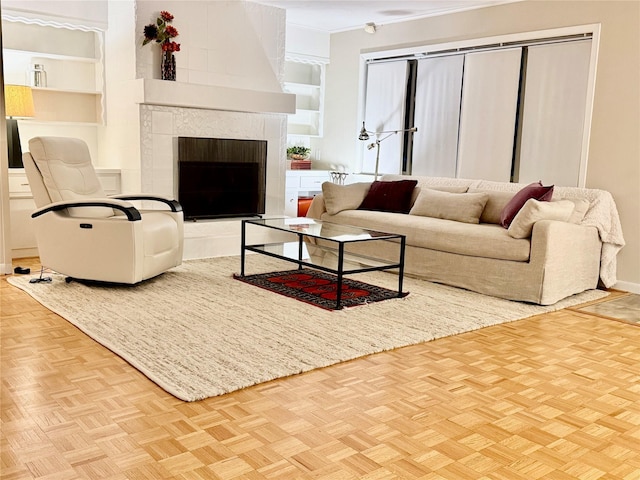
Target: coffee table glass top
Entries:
(324, 230)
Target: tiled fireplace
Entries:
(160, 128)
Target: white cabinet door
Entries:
(22, 236)
(291, 203)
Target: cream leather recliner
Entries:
(86, 235)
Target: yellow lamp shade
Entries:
(18, 101)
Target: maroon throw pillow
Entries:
(534, 190)
(389, 196)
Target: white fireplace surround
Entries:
(160, 127)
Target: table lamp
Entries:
(18, 101)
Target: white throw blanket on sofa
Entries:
(602, 214)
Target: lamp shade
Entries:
(18, 101)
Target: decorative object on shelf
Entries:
(18, 103)
(364, 135)
(161, 32)
(37, 76)
(299, 156)
(300, 164)
(338, 177)
(168, 66)
(298, 152)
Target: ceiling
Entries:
(340, 15)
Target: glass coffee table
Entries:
(337, 249)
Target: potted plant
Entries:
(298, 152)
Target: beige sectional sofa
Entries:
(553, 259)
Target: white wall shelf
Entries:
(73, 61)
(306, 81)
(67, 90)
(52, 56)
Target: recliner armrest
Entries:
(129, 210)
(174, 205)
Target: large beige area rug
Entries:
(197, 332)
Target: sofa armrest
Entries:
(568, 255)
(317, 207)
(564, 239)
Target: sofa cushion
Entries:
(460, 207)
(445, 184)
(534, 211)
(444, 188)
(392, 196)
(495, 204)
(533, 190)
(483, 240)
(343, 197)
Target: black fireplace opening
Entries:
(219, 177)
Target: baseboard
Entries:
(628, 287)
(26, 252)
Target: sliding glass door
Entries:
(385, 110)
(437, 111)
(488, 114)
(501, 113)
(554, 113)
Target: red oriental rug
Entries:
(319, 288)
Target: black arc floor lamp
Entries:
(364, 135)
(18, 101)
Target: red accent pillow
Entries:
(389, 196)
(534, 190)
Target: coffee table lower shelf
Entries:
(338, 235)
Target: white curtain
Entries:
(554, 113)
(488, 114)
(385, 110)
(437, 110)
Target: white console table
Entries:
(308, 183)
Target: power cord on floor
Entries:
(41, 278)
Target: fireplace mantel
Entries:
(190, 95)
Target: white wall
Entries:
(224, 43)
(308, 43)
(614, 150)
(120, 139)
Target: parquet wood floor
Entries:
(551, 397)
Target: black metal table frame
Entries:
(339, 272)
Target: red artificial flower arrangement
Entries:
(161, 32)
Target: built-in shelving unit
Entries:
(306, 81)
(69, 105)
(73, 61)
